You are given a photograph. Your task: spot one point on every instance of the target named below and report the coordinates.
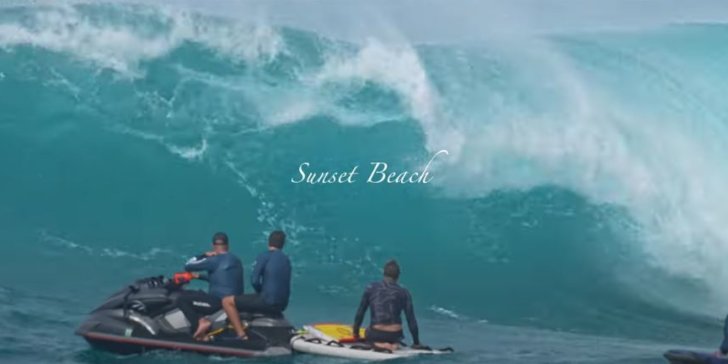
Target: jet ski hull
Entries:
(135, 345)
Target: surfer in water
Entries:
(387, 300)
(723, 349)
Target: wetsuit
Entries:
(387, 300)
(271, 280)
(224, 273)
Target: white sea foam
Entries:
(398, 67)
(445, 312)
(194, 153)
(110, 252)
(649, 159)
(580, 135)
(122, 44)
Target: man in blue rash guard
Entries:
(223, 271)
(271, 280)
(387, 300)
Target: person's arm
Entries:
(359, 318)
(409, 311)
(203, 276)
(257, 278)
(200, 263)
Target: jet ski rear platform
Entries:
(144, 316)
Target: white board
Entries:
(313, 345)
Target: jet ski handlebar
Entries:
(149, 282)
(177, 280)
(183, 278)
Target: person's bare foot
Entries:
(202, 327)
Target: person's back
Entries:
(272, 278)
(387, 300)
(224, 274)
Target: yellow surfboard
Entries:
(334, 331)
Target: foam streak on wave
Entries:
(399, 68)
(103, 251)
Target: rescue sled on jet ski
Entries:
(337, 340)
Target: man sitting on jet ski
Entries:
(271, 280)
(387, 300)
(223, 271)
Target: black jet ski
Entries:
(143, 316)
(692, 357)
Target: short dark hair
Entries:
(277, 239)
(391, 269)
(220, 236)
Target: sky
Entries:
(439, 20)
(468, 19)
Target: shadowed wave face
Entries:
(583, 193)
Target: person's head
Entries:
(391, 270)
(220, 242)
(276, 239)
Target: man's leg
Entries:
(194, 305)
(184, 302)
(203, 324)
(228, 304)
(244, 302)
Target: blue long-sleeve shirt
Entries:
(224, 273)
(272, 277)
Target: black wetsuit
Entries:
(271, 280)
(387, 300)
(224, 273)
